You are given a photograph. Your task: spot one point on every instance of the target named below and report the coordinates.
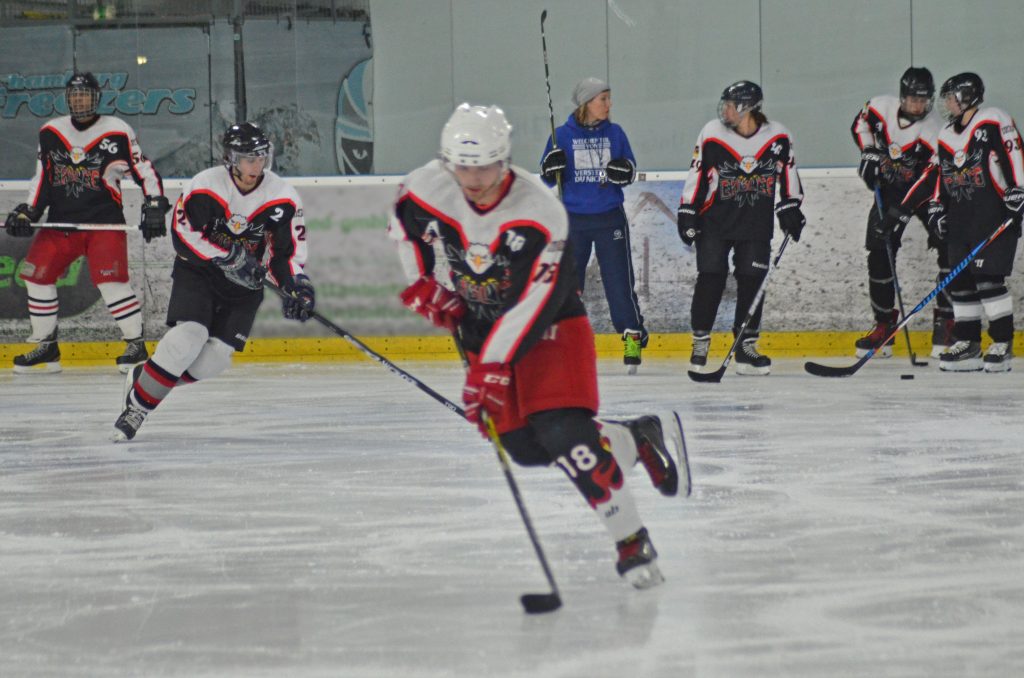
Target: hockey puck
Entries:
(906, 376)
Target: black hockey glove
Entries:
(154, 225)
(241, 268)
(893, 217)
(870, 166)
(19, 221)
(301, 299)
(689, 225)
(552, 165)
(791, 219)
(936, 225)
(1014, 201)
(620, 172)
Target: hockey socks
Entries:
(124, 306)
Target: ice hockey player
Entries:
(727, 206)
(897, 138)
(516, 307)
(82, 159)
(228, 221)
(977, 174)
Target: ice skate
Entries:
(129, 383)
(699, 354)
(942, 335)
(963, 356)
(653, 453)
(129, 423)
(637, 561)
(751, 362)
(631, 349)
(43, 359)
(998, 357)
(135, 352)
(877, 335)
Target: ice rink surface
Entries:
(331, 520)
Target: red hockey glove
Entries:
(486, 389)
(432, 301)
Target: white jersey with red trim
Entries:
(212, 214)
(509, 263)
(79, 170)
(733, 179)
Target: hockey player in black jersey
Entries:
(229, 221)
(82, 159)
(974, 183)
(897, 138)
(741, 160)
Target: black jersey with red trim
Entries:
(79, 170)
(510, 263)
(973, 168)
(907, 146)
(733, 180)
(212, 214)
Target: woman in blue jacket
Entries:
(591, 161)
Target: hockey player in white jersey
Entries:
(517, 309)
(229, 221)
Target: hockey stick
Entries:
(896, 284)
(547, 81)
(533, 603)
(828, 371)
(716, 376)
(87, 227)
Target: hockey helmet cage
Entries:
(917, 82)
(476, 136)
(247, 140)
(744, 94)
(966, 88)
(83, 82)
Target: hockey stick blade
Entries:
(539, 603)
(820, 370)
(707, 377)
(683, 460)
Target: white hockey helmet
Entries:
(476, 136)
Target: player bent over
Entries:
(517, 308)
(227, 221)
(82, 159)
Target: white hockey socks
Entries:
(124, 306)
(42, 310)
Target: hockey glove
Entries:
(19, 221)
(301, 299)
(936, 224)
(153, 223)
(552, 165)
(1014, 201)
(893, 217)
(620, 172)
(689, 226)
(441, 307)
(870, 166)
(791, 219)
(486, 390)
(241, 268)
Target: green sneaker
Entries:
(631, 349)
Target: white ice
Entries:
(331, 520)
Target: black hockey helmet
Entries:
(744, 94)
(246, 140)
(966, 88)
(917, 82)
(78, 83)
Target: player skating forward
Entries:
(516, 306)
(727, 206)
(82, 159)
(975, 182)
(227, 221)
(897, 138)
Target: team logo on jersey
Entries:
(895, 151)
(237, 224)
(479, 258)
(963, 175)
(77, 155)
(748, 164)
(76, 176)
(959, 158)
(745, 181)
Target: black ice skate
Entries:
(637, 560)
(129, 423)
(998, 357)
(750, 362)
(631, 349)
(135, 352)
(963, 356)
(653, 453)
(874, 338)
(43, 359)
(942, 335)
(699, 354)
